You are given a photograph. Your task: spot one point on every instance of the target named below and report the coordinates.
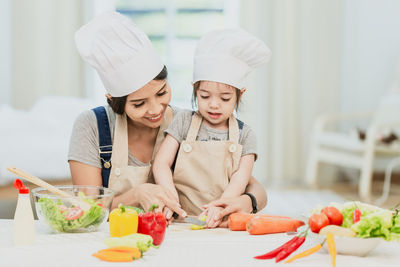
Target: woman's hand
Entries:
(149, 194)
(230, 205)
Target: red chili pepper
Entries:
(356, 215)
(273, 253)
(153, 224)
(290, 249)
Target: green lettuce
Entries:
(51, 212)
(376, 224)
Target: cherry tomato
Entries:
(318, 221)
(73, 213)
(334, 215)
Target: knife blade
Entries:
(190, 219)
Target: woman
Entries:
(138, 112)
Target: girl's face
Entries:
(216, 102)
(146, 106)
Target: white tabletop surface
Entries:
(181, 247)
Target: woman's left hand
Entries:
(230, 205)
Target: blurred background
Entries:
(328, 57)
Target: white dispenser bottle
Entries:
(24, 223)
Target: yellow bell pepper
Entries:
(123, 221)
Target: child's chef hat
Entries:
(121, 53)
(227, 56)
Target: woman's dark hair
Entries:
(196, 86)
(118, 103)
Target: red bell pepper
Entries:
(153, 224)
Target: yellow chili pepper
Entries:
(123, 221)
(330, 240)
(305, 253)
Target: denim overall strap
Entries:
(105, 143)
(240, 123)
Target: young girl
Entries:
(216, 151)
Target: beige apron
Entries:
(203, 168)
(122, 175)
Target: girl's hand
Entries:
(230, 205)
(213, 216)
(149, 194)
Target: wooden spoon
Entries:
(39, 182)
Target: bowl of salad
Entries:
(84, 211)
(357, 227)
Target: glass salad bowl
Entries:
(84, 211)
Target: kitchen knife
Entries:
(190, 219)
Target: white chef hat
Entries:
(122, 54)
(227, 56)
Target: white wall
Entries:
(44, 58)
(371, 51)
(5, 51)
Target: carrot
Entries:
(118, 254)
(238, 221)
(265, 225)
(113, 256)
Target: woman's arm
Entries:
(240, 179)
(144, 195)
(259, 192)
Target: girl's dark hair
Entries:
(118, 103)
(196, 86)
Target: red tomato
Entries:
(74, 213)
(62, 208)
(318, 221)
(334, 215)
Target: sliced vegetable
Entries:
(73, 213)
(356, 216)
(199, 227)
(268, 225)
(330, 240)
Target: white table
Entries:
(181, 247)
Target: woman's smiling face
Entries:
(147, 105)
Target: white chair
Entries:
(343, 150)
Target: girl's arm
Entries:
(240, 179)
(144, 195)
(163, 162)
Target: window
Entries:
(174, 27)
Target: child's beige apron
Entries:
(203, 168)
(122, 175)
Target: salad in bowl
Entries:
(357, 227)
(84, 211)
